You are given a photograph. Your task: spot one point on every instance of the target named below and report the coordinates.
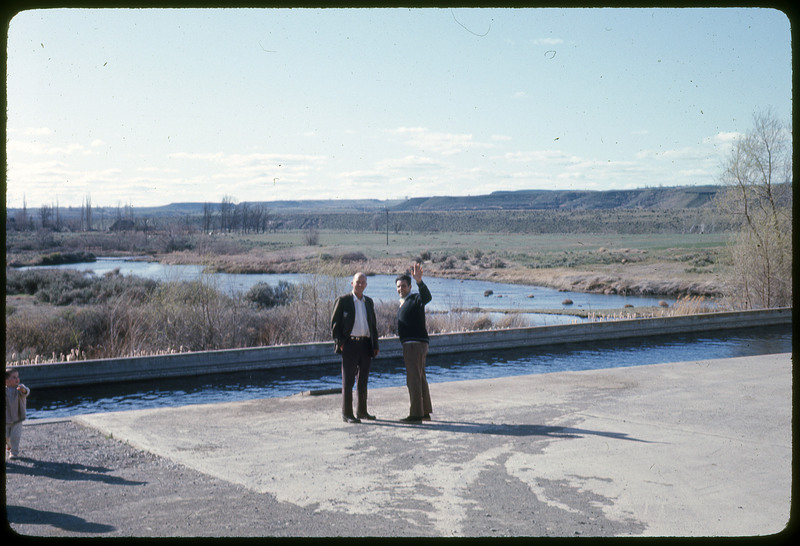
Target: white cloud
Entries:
(404, 130)
(407, 162)
(247, 160)
(40, 149)
(217, 156)
(443, 143)
(726, 137)
(542, 156)
(695, 172)
(38, 131)
(688, 153)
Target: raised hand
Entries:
(416, 272)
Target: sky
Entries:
(146, 107)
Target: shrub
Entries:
(263, 295)
(350, 257)
(67, 286)
(386, 318)
(513, 320)
(58, 258)
(449, 263)
(311, 236)
(482, 322)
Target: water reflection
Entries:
(47, 403)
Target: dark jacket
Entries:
(411, 316)
(344, 316)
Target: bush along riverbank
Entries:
(55, 315)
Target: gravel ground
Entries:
(73, 481)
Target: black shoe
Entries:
(426, 417)
(366, 416)
(350, 419)
(411, 419)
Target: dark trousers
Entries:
(356, 360)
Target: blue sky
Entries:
(149, 107)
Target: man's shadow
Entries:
(26, 466)
(22, 515)
(64, 471)
(504, 429)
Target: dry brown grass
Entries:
(658, 278)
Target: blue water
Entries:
(50, 403)
(447, 293)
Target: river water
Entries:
(447, 293)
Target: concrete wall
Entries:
(257, 358)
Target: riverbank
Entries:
(130, 307)
(658, 278)
(666, 264)
(77, 318)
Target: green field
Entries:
(374, 244)
(448, 250)
(504, 249)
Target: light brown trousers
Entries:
(414, 354)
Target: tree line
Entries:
(230, 217)
(758, 175)
(225, 216)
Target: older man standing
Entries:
(414, 337)
(355, 335)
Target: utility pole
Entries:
(387, 226)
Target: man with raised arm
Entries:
(414, 338)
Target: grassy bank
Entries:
(68, 316)
(63, 315)
(655, 264)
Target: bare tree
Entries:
(208, 215)
(263, 218)
(758, 174)
(21, 218)
(311, 235)
(46, 216)
(226, 210)
(59, 224)
(86, 212)
(244, 217)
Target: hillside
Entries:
(648, 198)
(644, 198)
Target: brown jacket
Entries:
(16, 404)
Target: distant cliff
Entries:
(645, 198)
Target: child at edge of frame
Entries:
(16, 408)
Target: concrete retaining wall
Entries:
(258, 358)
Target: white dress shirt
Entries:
(360, 325)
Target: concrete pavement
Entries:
(701, 448)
